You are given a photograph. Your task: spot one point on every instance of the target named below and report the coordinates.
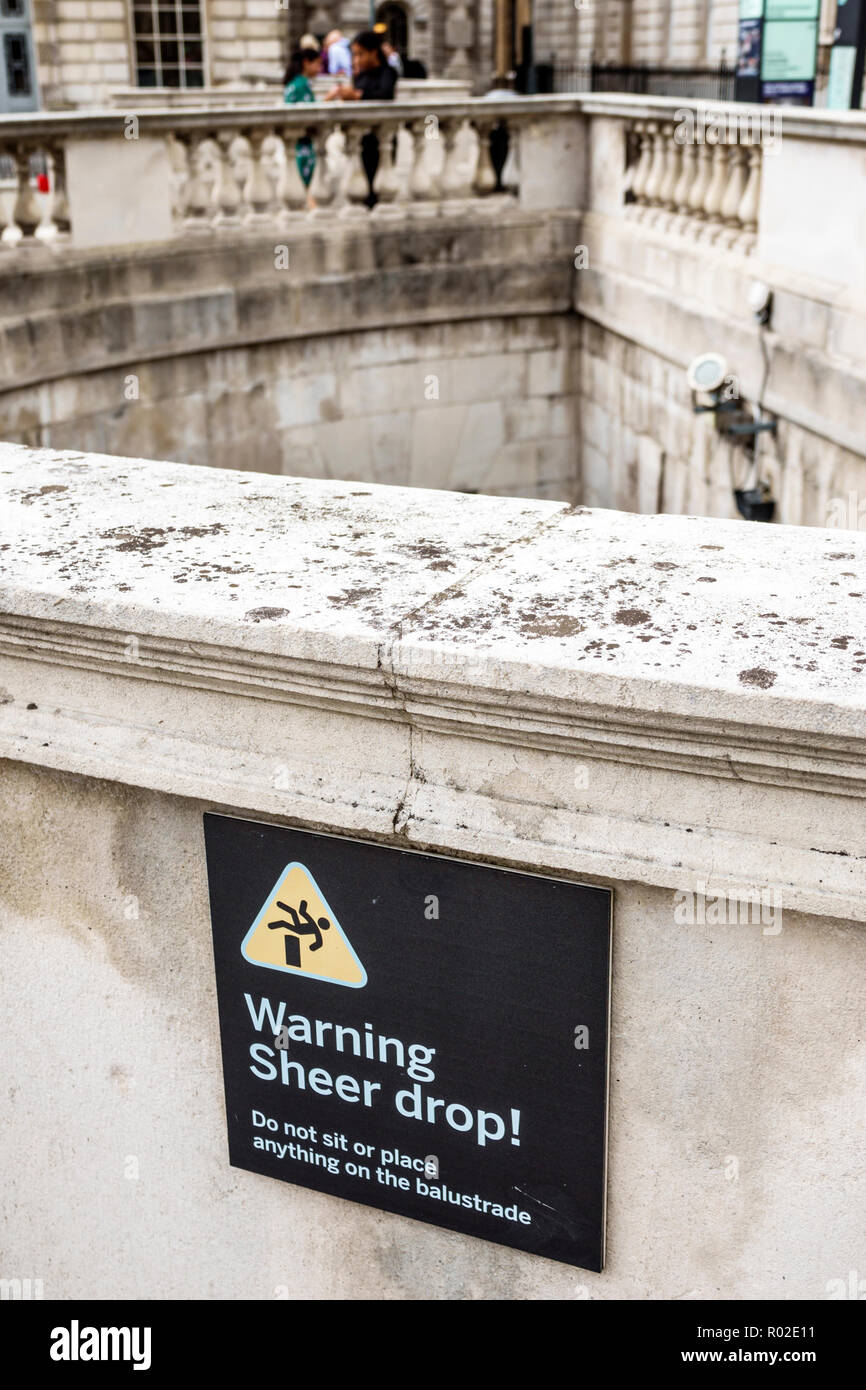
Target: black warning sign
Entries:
(418, 1033)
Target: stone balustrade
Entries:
(688, 184)
(727, 177)
(181, 173)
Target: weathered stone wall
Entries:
(484, 406)
(82, 50)
(437, 354)
(733, 1108)
(253, 34)
(643, 449)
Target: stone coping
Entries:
(670, 700)
(695, 617)
(803, 122)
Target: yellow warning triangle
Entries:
(297, 932)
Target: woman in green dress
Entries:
(303, 67)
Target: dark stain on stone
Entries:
(841, 643)
(28, 497)
(142, 541)
(191, 532)
(263, 615)
(705, 579)
(631, 617)
(757, 675)
(349, 596)
(550, 625)
(32, 706)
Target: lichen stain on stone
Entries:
(759, 676)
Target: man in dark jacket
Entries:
(373, 79)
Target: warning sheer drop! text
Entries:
(269, 1063)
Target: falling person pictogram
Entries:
(309, 927)
(311, 921)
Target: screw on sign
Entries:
(309, 927)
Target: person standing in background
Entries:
(373, 79)
(390, 52)
(303, 67)
(338, 59)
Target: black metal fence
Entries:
(707, 84)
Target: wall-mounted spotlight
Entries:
(708, 377)
(707, 373)
(761, 302)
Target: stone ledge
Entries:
(494, 649)
(64, 318)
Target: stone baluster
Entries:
(385, 185)
(226, 195)
(642, 169)
(290, 190)
(484, 180)
(322, 192)
(60, 208)
(48, 231)
(26, 214)
(258, 192)
(685, 184)
(657, 168)
(715, 193)
(196, 199)
(734, 195)
(356, 187)
(423, 185)
(5, 204)
(456, 179)
(701, 182)
(671, 177)
(178, 155)
(747, 213)
(632, 156)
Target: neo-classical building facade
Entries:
(62, 53)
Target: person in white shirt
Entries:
(338, 58)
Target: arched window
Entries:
(397, 20)
(169, 48)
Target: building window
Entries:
(16, 55)
(169, 49)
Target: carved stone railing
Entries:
(724, 177)
(696, 179)
(234, 168)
